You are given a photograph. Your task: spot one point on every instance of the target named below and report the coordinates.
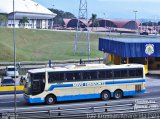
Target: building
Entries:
(142, 50)
(37, 15)
(105, 25)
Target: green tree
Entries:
(93, 20)
(23, 21)
(58, 20)
(3, 20)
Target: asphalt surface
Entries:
(152, 91)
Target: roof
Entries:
(7, 77)
(131, 47)
(138, 40)
(25, 6)
(68, 22)
(19, 15)
(85, 67)
(128, 24)
(10, 66)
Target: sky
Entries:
(110, 9)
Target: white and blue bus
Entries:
(87, 81)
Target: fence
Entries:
(52, 61)
(24, 66)
(123, 111)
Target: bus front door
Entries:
(36, 87)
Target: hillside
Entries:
(40, 45)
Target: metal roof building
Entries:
(127, 24)
(37, 14)
(141, 50)
(131, 47)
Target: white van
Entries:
(10, 71)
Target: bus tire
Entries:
(105, 95)
(50, 100)
(118, 94)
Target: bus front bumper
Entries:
(30, 99)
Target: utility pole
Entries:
(135, 11)
(14, 52)
(105, 18)
(53, 17)
(81, 35)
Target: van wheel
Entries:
(50, 100)
(105, 95)
(118, 94)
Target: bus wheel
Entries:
(118, 94)
(105, 95)
(50, 99)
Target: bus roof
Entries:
(74, 67)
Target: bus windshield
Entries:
(35, 83)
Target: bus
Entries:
(84, 81)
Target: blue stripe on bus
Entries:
(60, 86)
(34, 100)
(108, 82)
(129, 81)
(81, 96)
(132, 93)
(94, 96)
(78, 97)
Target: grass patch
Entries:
(39, 45)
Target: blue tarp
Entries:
(131, 47)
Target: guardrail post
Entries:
(50, 63)
(105, 108)
(133, 104)
(80, 61)
(49, 113)
(59, 111)
(8, 116)
(92, 109)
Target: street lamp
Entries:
(104, 19)
(135, 11)
(14, 50)
(53, 17)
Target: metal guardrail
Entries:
(122, 111)
(26, 65)
(52, 61)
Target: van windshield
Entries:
(8, 81)
(11, 69)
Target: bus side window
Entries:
(53, 77)
(86, 75)
(109, 74)
(61, 77)
(117, 74)
(139, 72)
(93, 74)
(50, 79)
(124, 73)
(132, 73)
(102, 74)
(77, 76)
(69, 76)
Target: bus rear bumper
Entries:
(32, 100)
(132, 93)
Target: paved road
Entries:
(152, 91)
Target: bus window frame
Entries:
(82, 72)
